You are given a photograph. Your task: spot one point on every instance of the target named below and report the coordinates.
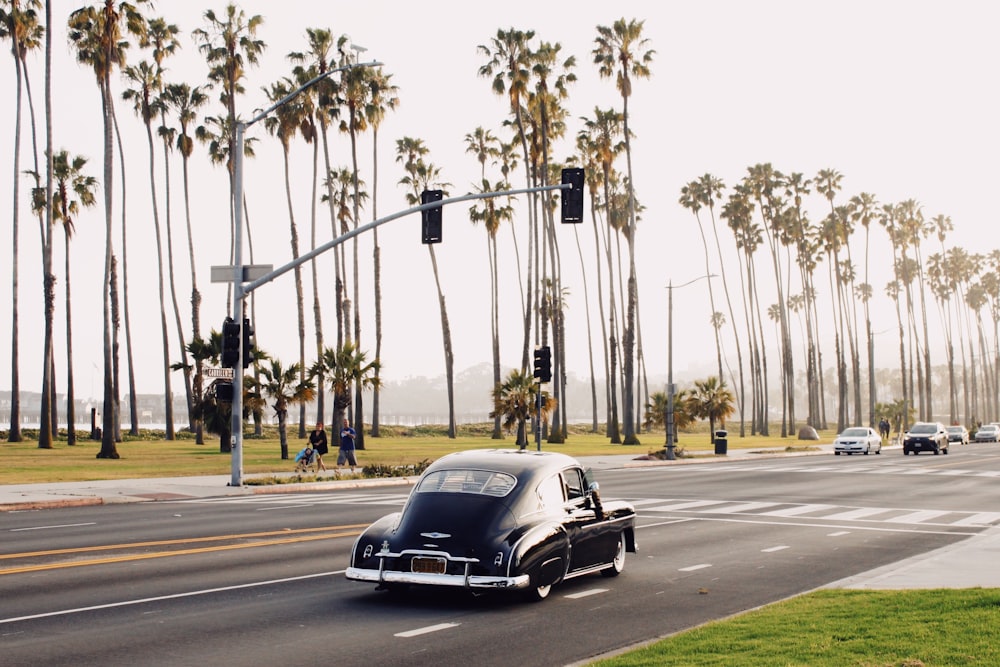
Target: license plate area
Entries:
(425, 565)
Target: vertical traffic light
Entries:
(572, 199)
(431, 217)
(543, 364)
(249, 342)
(230, 343)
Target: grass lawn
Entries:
(150, 455)
(835, 628)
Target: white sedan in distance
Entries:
(858, 440)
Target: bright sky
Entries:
(898, 96)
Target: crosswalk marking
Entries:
(656, 508)
(815, 511)
(797, 510)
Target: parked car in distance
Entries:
(926, 436)
(988, 433)
(497, 519)
(959, 434)
(858, 440)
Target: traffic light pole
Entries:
(241, 289)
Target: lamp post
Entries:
(872, 398)
(236, 423)
(668, 416)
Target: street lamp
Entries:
(236, 423)
(668, 415)
(871, 373)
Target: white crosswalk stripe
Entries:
(816, 511)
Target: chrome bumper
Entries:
(426, 579)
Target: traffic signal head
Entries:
(572, 199)
(249, 342)
(543, 364)
(224, 392)
(230, 343)
(431, 217)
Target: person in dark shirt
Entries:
(318, 441)
(346, 453)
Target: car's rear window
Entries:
(483, 482)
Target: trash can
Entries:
(721, 442)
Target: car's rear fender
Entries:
(543, 551)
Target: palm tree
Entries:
(509, 61)
(486, 147)
(621, 51)
(383, 98)
(186, 101)
(356, 94)
(162, 38)
(515, 401)
(600, 135)
(69, 181)
(314, 128)
(146, 77)
(692, 199)
(656, 410)
(98, 33)
(422, 176)
(19, 23)
(711, 400)
(343, 368)
(285, 386)
(864, 210)
(710, 190)
(284, 124)
(229, 44)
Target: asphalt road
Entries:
(259, 579)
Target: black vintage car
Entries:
(497, 519)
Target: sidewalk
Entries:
(966, 564)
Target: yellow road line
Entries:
(185, 540)
(184, 552)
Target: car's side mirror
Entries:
(594, 497)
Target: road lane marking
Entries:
(770, 550)
(585, 594)
(839, 533)
(160, 598)
(426, 630)
(692, 568)
(63, 525)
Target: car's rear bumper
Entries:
(428, 579)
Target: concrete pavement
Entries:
(970, 563)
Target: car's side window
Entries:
(574, 484)
(550, 493)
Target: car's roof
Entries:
(517, 462)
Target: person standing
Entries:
(346, 453)
(319, 444)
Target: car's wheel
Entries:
(836, 453)
(538, 593)
(937, 449)
(618, 564)
(868, 450)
